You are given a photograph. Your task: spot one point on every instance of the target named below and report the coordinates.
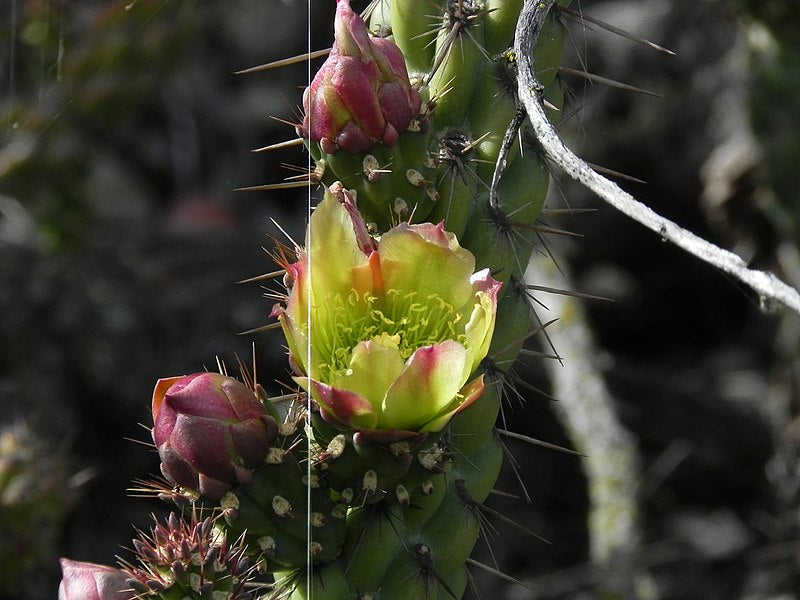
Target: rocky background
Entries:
(124, 133)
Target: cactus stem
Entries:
(374, 513)
(446, 89)
(477, 510)
(507, 229)
(458, 26)
(461, 11)
(422, 556)
(443, 53)
(454, 150)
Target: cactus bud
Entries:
(361, 95)
(180, 559)
(88, 581)
(210, 431)
(399, 325)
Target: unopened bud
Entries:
(210, 431)
(361, 95)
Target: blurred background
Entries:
(123, 134)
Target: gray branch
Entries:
(769, 288)
(588, 412)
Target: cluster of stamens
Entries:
(411, 324)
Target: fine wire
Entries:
(308, 325)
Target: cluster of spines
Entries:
(189, 559)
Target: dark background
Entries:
(124, 133)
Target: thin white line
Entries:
(308, 346)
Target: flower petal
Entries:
(349, 408)
(331, 233)
(373, 368)
(351, 37)
(466, 396)
(89, 581)
(191, 439)
(428, 260)
(481, 323)
(430, 380)
(297, 342)
(162, 385)
(200, 394)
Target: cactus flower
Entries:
(361, 95)
(88, 581)
(210, 431)
(385, 334)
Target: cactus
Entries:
(413, 493)
(401, 316)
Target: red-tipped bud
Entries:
(210, 431)
(88, 581)
(361, 95)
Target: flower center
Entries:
(413, 321)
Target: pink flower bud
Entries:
(210, 431)
(88, 581)
(361, 95)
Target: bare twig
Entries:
(769, 288)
